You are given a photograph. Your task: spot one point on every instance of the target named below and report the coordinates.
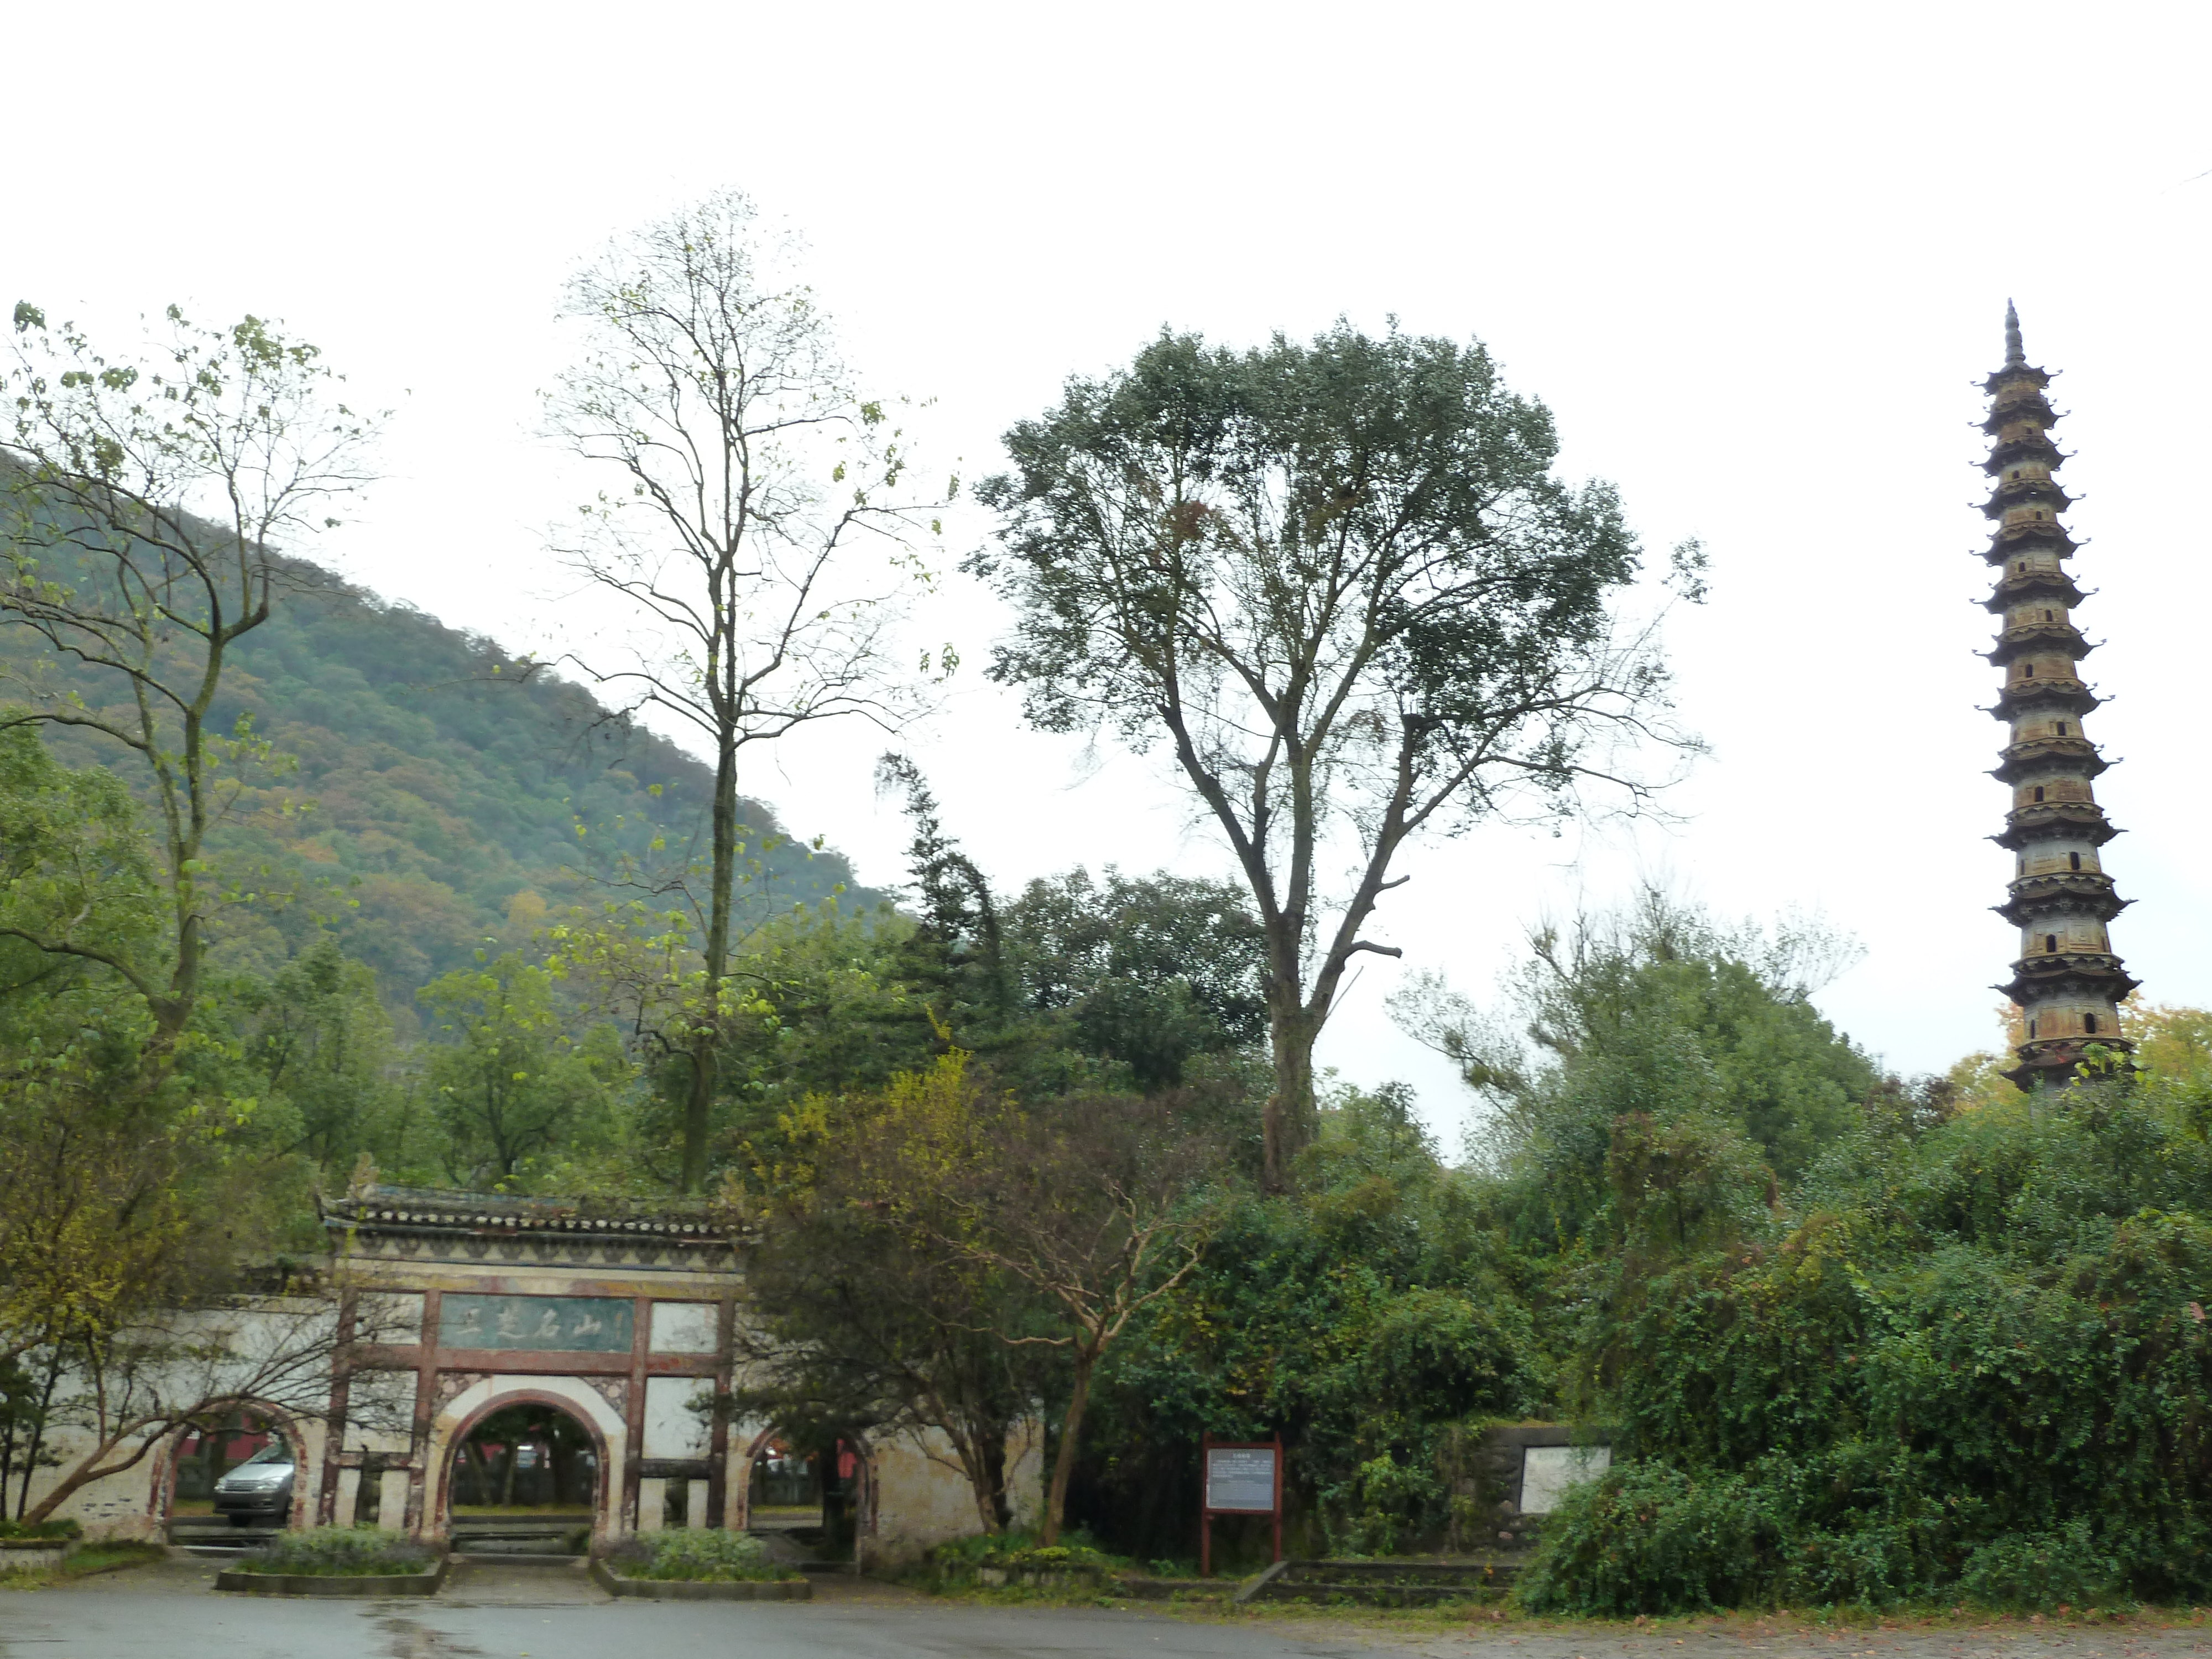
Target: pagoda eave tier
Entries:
(2040, 580)
(2032, 638)
(2074, 758)
(2026, 446)
(2068, 973)
(2055, 820)
(2045, 694)
(2008, 541)
(2068, 894)
(2012, 493)
(2030, 406)
(2051, 1060)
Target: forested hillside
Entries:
(438, 793)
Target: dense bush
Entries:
(1017, 1553)
(697, 1552)
(1368, 1320)
(341, 1552)
(1969, 1360)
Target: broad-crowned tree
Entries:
(1342, 583)
(760, 529)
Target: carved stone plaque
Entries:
(1546, 1471)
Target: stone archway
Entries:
(859, 1504)
(301, 1436)
(574, 1397)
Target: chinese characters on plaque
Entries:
(1241, 1479)
(564, 1324)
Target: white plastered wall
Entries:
(133, 1503)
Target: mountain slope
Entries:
(443, 792)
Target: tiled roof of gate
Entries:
(424, 1209)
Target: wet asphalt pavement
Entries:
(172, 1611)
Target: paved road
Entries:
(170, 1612)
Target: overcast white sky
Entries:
(1754, 256)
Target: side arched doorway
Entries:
(523, 1469)
(245, 1470)
(813, 1491)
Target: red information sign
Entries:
(1241, 1476)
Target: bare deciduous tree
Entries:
(764, 528)
(144, 497)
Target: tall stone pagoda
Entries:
(2067, 981)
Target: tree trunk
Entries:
(699, 1108)
(986, 1459)
(88, 1469)
(38, 1437)
(1063, 1461)
(1287, 1119)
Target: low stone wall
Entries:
(702, 1590)
(31, 1554)
(364, 1586)
(1491, 1487)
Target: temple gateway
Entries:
(623, 1322)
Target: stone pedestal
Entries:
(392, 1500)
(347, 1502)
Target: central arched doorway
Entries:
(525, 1474)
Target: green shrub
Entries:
(697, 1554)
(341, 1552)
(1649, 1539)
(2044, 1570)
(959, 1560)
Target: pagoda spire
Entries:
(2067, 981)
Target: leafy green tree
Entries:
(514, 1084)
(1150, 970)
(1342, 583)
(1094, 1209)
(849, 1324)
(1370, 1321)
(762, 527)
(1655, 1013)
(323, 1045)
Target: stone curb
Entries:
(702, 1590)
(358, 1586)
(31, 1554)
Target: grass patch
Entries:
(82, 1563)
(342, 1552)
(697, 1555)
